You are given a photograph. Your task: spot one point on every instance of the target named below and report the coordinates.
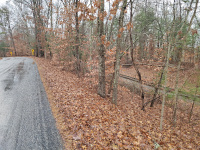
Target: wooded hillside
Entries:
(153, 42)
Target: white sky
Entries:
(2, 2)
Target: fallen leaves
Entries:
(86, 121)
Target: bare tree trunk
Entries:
(177, 89)
(131, 39)
(50, 8)
(36, 37)
(40, 29)
(101, 85)
(77, 40)
(27, 35)
(91, 34)
(132, 59)
(35, 9)
(196, 63)
(158, 86)
(117, 65)
(10, 31)
(106, 24)
(165, 85)
(179, 63)
(12, 39)
(111, 83)
(112, 23)
(51, 12)
(197, 86)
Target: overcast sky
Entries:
(2, 2)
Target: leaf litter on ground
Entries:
(87, 121)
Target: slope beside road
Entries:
(26, 120)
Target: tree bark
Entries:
(11, 35)
(117, 57)
(158, 86)
(38, 24)
(181, 59)
(7, 13)
(101, 85)
(191, 111)
(112, 23)
(165, 85)
(77, 41)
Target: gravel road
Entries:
(26, 121)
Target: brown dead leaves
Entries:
(90, 122)
(129, 26)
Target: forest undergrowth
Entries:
(87, 121)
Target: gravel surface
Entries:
(26, 121)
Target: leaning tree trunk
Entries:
(165, 85)
(117, 64)
(158, 86)
(191, 111)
